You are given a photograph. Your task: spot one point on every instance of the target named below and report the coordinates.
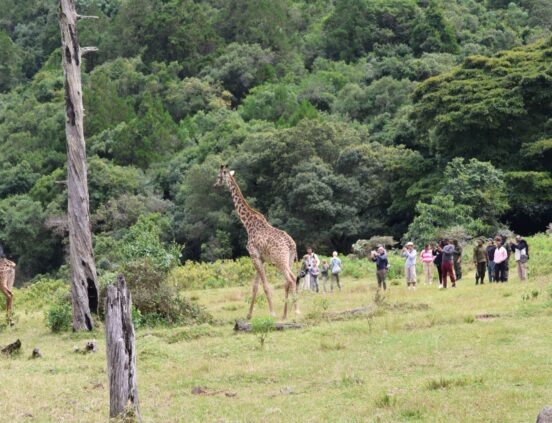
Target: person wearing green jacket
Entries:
(480, 261)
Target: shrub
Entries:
(155, 301)
(40, 294)
(363, 247)
(59, 316)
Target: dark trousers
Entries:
(336, 277)
(381, 274)
(440, 273)
(500, 272)
(480, 272)
(457, 269)
(446, 267)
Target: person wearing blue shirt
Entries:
(382, 264)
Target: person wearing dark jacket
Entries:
(490, 260)
(438, 261)
(521, 255)
(382, 265)
(457, 259)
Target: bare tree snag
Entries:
(121, 351)
(84, 286)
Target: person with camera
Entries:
(447, 263)
(521, 255)
(410, 265)
(382, 266)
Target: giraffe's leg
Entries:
(258, 263)
(293, 289)
(9, 300)
(287, 286)
(254, 290)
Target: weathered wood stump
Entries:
(11, 348)
(121, 351)
(545, 416)
(243, 326)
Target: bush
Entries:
(363, 247)
(40, 294)
(59, 316)
(155, 301)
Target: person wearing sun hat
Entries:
(410, 265)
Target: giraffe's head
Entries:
(223, 176)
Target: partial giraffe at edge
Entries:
(7, 279)
(265, 243)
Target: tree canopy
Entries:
(342, 119)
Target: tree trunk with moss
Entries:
(84, 286)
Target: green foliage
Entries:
(157, 302)
(241, 67)
(59, 317)
(478, 185)
(433, 33)
(434, 218)
(262, 326)
(143, 241)
(488, 107)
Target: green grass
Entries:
(476, 353)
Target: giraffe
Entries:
(7, 278)
(265, 243)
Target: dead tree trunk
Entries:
(121, 352)
(84, 287)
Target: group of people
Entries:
(446, 257)
(312, 269)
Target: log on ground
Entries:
(243, 326)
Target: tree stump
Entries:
(545, 416)
(121, 351)
(12, 348)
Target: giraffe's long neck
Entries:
(248, 216)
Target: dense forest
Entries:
(343, 119)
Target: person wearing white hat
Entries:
(410, 265)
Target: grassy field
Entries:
(470, 354)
